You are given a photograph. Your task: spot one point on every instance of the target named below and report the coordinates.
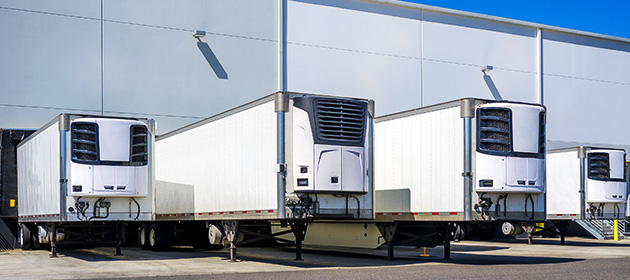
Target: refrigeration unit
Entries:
(585, 183)
(287, 158)
(9, 138)
(460, 167)
(82, 173)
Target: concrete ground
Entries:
(513, 259)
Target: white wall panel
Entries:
(586, 111)
(479, 42)
(455, 49)
(353, 25)
(168, 74)
(586, 58)
(394, 83)
(48, 61)
(357, 50)
(83, 8)
(448, 81)
(247, 18)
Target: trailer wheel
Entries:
(158, 238)
(215, 235)
(143, 236)
(25, 237)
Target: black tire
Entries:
(25, 237)
(143, 236)
(159, 238)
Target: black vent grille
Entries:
(598, 166)
(84, 142)
(542, 134)
(340, 121)
(139, 144)
(495, 130)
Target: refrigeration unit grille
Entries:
(495, 133)
(542, 134)
(84, 142)
(139, 144)
(341, 121)
(598, 166)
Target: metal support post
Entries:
(447, 243)
(388, 231)
(119, 230)
(299, 231)
(53, 242)
(231, 231)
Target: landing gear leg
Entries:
(231, 228)
(299, 231)
(388, 231)
(53, 242)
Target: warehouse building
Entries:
(140, 58)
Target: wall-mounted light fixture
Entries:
(199, 34)
(487, 69)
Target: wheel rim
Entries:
(143, 237)
(211, 235)
(152, 237)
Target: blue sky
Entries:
(608, 17)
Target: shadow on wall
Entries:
(212, 60)
(492, 87)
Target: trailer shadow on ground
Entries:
(570, 241)
(316, 258)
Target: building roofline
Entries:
(499, 19)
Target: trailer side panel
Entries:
(39, 173)
(237, 169)
(563, 185)
(427, 160)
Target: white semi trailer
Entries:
(287, 159)
(454, 168)
(585, 183)
(85, 178)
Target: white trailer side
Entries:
(450, 169)
(287, 157)
(421, 156)
(598, 173)
(79, 169)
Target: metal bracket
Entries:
(467, 108)
(281, 99)
(464, 174)
(371, 108)
(281, 167)
(64, 122)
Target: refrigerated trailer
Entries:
(85, 178)
(451, 169)
(9, 138)
(585, 183)
(287, 158)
